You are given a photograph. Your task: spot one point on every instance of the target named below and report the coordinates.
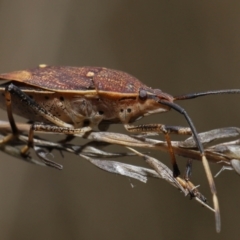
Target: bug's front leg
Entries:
(166, 130)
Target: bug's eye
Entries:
(142, 94)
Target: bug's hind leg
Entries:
(15, 131)
(31, 105)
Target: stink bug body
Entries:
(80, 95)
(75, 100)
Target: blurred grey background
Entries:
(177, 46)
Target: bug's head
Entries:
(130, 109)
(149, 101)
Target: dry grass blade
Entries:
(165, 173)
(226, 153)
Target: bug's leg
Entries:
(188, 170)
(176, 171)
(41, 127)
(29, 145)
(158, 128)
(15, 132)
(70, 131)
(38, 110)
(61, 127)
(32, 105)
(166, 130)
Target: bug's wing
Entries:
(76, 79)
(60, 79)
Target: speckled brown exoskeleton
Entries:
(75, 100)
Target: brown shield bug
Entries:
(74, 100)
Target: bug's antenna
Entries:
(201, 94)
(207, 169)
